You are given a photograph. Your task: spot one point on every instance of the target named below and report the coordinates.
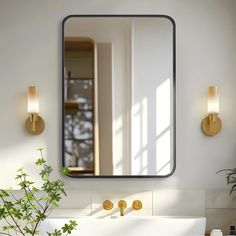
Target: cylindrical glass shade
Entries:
(213, 100)
(33, 101)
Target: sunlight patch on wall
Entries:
(163, 132)
(139, 163)
(163, 153)
(118, 147)
(163, 106)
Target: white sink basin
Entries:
(131, 226)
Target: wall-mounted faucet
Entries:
(122, 205)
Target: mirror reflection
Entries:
(119, 96)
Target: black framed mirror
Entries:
(119, 95)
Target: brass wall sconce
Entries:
(211, 125)
(34, 124)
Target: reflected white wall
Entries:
(152, 97)
(139, 160)
(164, 128)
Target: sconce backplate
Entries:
(209, 128)
(39, 126)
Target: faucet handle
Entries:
(122, 204)
(107, 205)
(137, 205)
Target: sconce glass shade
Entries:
(211, 125)
(213, 100)
(33, 100)
(34, 124)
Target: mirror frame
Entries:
(174, 96)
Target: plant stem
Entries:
(35, 198)
(11, 225)
(12, 217)
(36, 225)
(26, 189)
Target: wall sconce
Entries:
(211, 125)
(34, 124)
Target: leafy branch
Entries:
(230, 178)
(23, 215)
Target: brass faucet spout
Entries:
(122, 205)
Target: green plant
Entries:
(23, 215)
(230, 178)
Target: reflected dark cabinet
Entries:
(80, 107)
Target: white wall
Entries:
(30, 53)
(152, 91)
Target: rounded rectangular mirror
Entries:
(119, 96)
